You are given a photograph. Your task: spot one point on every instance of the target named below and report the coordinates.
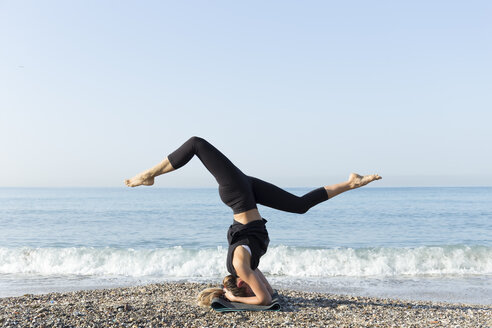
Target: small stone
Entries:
(42, 310)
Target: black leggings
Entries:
(237, 190)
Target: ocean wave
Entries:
(279, 261)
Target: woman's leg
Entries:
(234, 186)
(237, 190)
(272, 196)
(224, 171)
(354, 181)
(146, 178)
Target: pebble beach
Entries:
(174, 305)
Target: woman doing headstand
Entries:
(246, 283)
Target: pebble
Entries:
(174, 305)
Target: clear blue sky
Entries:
(300, 93)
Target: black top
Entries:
(254, 234)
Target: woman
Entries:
(246, 284)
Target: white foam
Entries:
(386, 262)
(172, 262)
(279, 261)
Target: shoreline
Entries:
(174, 305)
(467, 290)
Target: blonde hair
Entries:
(207, 295)
(230, 282)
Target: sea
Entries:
(429, 243)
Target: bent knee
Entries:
(196, 139)
(197, 142)
(301, 208)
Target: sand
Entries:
(174, 305)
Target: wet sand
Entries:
(174, 305)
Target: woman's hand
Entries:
(229, 295)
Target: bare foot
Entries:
(356, 181)
(143, 178)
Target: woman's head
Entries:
(235, 285)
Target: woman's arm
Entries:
(241, 262)
(264, 280)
